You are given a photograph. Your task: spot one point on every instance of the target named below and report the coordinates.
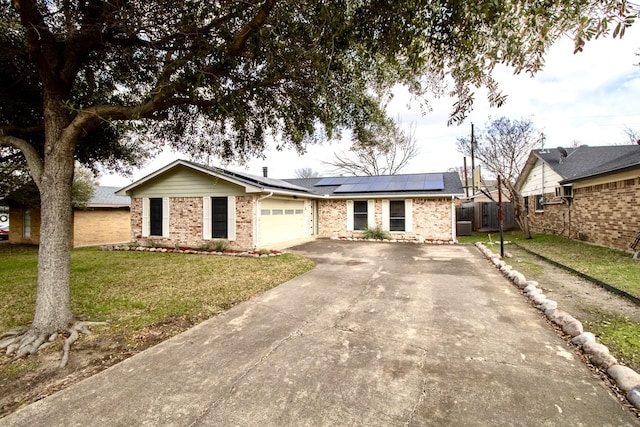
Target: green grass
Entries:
(133, 290)
(621, 335)
(608, 265)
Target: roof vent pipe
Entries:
(265, 171)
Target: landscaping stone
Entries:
(633, 396)
(594, 347)
(573, 328)
(530, 288)
(538, 298)
(561, 318)
(603, 360)
(549, 305)
(583, 338)
(625, 377)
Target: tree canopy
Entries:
(95, 80)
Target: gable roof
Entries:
(584, 162)
(104, 196)
(430, 184)
(250, 182)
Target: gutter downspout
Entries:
(256, 239)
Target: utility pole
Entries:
(500, 219)
(466, 179)
(473, 164)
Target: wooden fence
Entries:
(484, 215)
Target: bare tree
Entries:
(306, 173)
(633, 136)
(391, 150)
(503, 150)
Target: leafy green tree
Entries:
(222, 77)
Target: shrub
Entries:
(376, 233)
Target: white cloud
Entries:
(588, 97)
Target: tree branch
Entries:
(238, 45)
(30, 154)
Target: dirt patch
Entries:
(33, 378)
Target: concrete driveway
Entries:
(376, 335)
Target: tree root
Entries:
(21, 342)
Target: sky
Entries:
(586, 98)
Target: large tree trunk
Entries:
(53, 301)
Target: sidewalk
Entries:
(376, 335)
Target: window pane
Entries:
(288, 211)
(360, 214)
(360, 206)
(396, 215)
(396, 208)
(359, 222)
(396, 224)
(219, 217)
(155, 216)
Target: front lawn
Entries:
(133, 290)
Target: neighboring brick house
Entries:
(188, 204)
(105, 219)
(585, 193)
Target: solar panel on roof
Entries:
(331, 181)
(391, 183)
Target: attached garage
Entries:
(280, 221)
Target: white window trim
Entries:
(206, 218)
(146, 227)
(145, 216)
(408, 215)
(386, 216)
(231, 218)
(349, 215)
(371, 213)
(165, 217)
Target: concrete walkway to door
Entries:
(376, 335)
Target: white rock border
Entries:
(624, 377)
(249, 254)
(413, 240)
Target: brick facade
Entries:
(90, 227)
(603, 214)
(431, 219)
(185, 223)
(100, 226)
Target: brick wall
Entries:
(431, 219)
(100, 226)
(16, 226)
(185, 223)
(603, 214)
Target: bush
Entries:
(214, 245)
(375, 233)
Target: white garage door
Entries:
(281, 221)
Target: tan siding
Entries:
(533, 184)
(100, 226)
(185, 182)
